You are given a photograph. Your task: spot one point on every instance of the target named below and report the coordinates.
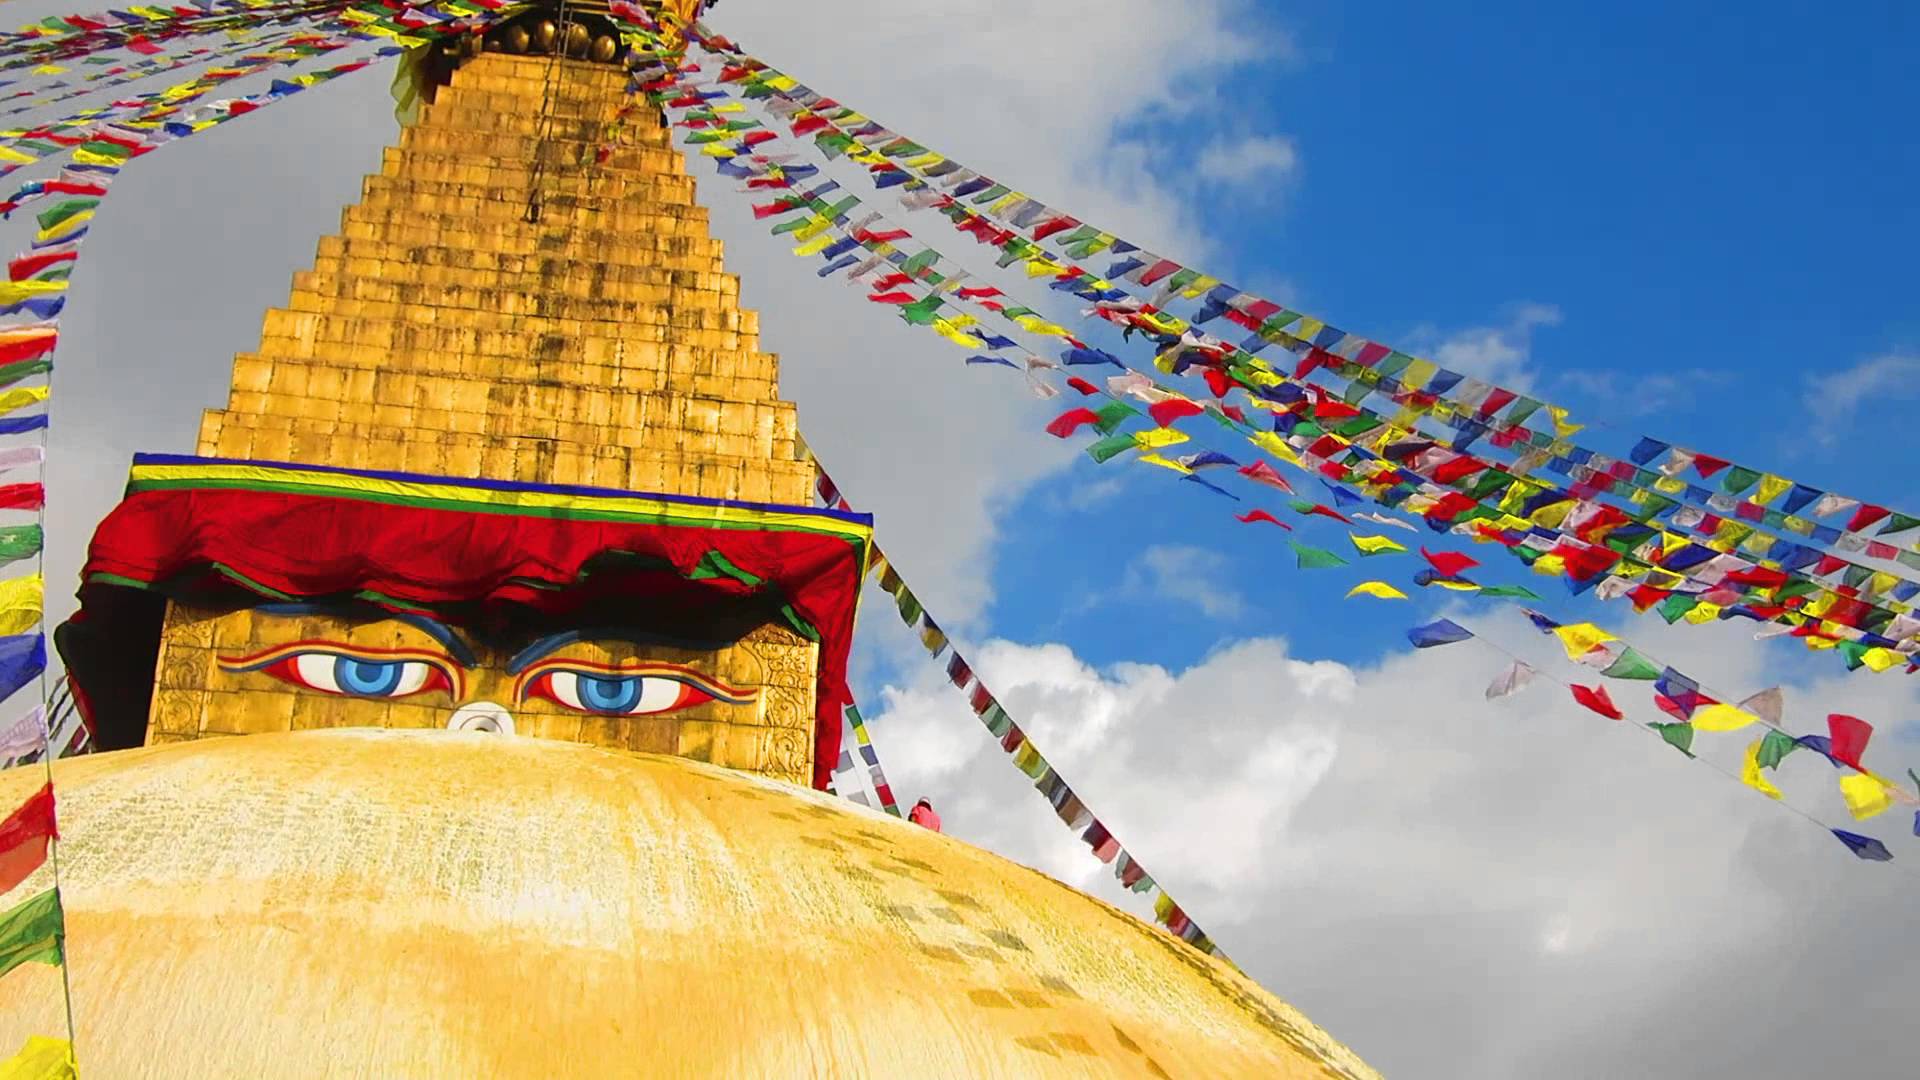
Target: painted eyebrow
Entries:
(438, 631)
(542, 647)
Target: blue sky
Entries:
(1718, 208)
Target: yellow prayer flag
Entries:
(1456, 586)
(1880, 658)
(20, 604)
(1156, 459)
(1866, 795)
(1581, 639)
(1275, 445)
(1771, 487)
(814, 246)
(1417, 374)
(1722, 717)
(962, 339)
(1374, 545)
(49, 69)
(1704, 612)
(1561, 427)
(1550, 566)
(1750, 772)
(1156, 438)
(1307, 328)
(1379, 589)
(1552, 516)
(9, 154)
(21, 396)
(42, 1058)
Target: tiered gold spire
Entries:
(444, 333)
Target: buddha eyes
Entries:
(350, 673)
(623, 692)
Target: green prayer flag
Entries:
(1854, 653)
(1518, 592)
(791, 225)
(21, 369)
(1521, 409)
(32, 932)
(61, 211)
(1678, 736)
(1078, 236)
(922, 311)
(1112, 415)
(1393, 365)
(1633, 665)
(19, 542)
(992, 194)
(919, 262)
(1487, 483)
(1898, 523)
(1737, 479)
(1675, 607)
(1774, 749)
(1111, 447)
(910, 609)
(996, 719)
(1313, 558)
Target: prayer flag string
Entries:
(1020, 223)
(1018, 745)
(1580, 557)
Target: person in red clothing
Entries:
(922, 815)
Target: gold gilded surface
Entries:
(239, 673)
(438, 904)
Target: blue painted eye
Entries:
(337, 673)
(616, 695)
(610, 693)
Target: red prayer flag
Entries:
(895, 297)
(1053, 225)
(1262, 473)
(22, 497)
(1707, 465)
(1866, 515)
(1849, 736)
(1233, 412)
(1328, 511)
(23, 838)
(1595, 698)
(1448, 563)
(1070, 421)
(1252, 516)
(28, 346)
(1082, 385)
(1166, 412)
(1498, 399)
(1217, 381)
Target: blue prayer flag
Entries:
(22, 658)
(1438, 632)
(1866, 847)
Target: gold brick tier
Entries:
(443, 333)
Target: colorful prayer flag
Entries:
(1510, 681)
(32, 932)
(1580, 639)
(1866, 847)
(42, 1058)
(24, 836)
(1750, 772)
(1595, 698)
(1865, 794)
(1438, 632)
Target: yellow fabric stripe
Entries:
(410, 489)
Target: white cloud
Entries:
(1186, 575)
(1836, 398)
(1501, 354)
(1262, 162)
(1460, 889)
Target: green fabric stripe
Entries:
(20, 369)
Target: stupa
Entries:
(467, 694)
